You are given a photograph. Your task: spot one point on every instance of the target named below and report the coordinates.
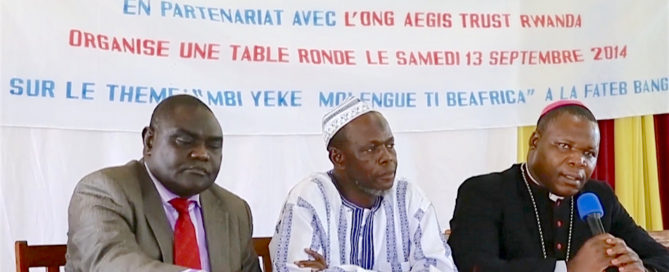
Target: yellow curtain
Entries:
(637, 184)
(524, 134)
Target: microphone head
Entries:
(587, 204)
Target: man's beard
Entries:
(374, 192)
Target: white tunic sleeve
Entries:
(429, 250)
(300, 228)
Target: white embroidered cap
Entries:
(341, 115)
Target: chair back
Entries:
(53, 256)
(261, 245)
(50, 256)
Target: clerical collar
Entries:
(525, 171)
(553, 197)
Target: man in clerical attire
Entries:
(525, 218)
(358, 216)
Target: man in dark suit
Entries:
(524, 219)
(163, 212)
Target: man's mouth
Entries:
(197, 171)
(573, 179)
(388, 176)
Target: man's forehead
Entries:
(195, 120)
(569, 120)
(573, 127)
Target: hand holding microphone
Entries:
(602, 250)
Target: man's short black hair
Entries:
(168, 104)
(575, 110)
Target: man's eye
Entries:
(215, 144)
(370, 148)
(390, 146)
(183, 140)
(563, 146)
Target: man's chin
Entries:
(566, 192)
(195, 187)
(375, 192)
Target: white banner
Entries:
(276, 67)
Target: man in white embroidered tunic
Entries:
(358, 217)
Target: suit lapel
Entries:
(155, 215)
(216, 225)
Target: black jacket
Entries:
(494, 227)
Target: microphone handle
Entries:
(595, 224)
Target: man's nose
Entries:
(578, 159)
(199, 152)
(387, 155)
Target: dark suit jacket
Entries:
(117, 223)
(494, 227)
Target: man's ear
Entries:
(336, 157)
(147, 140)
(534, 140)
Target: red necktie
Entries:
(186, 251)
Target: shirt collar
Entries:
(165, 194)
(377, 203)
(346, 202)
(553, 197)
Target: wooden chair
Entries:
(50, 256)
(53, 256)
(261, 245)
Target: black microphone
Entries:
(591, 211)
